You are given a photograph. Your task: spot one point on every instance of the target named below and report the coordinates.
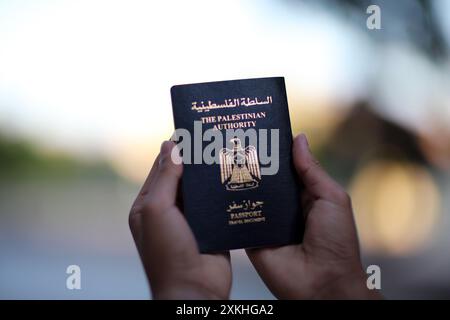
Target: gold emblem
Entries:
(239, 167)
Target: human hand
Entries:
(327, 264)
(173, 264)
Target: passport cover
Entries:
(230, 204)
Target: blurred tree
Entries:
(415, 21)
(20, 159)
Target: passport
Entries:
(239, 187)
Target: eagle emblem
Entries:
(239, 167)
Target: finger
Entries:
(135, 208)
(168, 245)
(218, 263)
(167, 240)
(134, 219)
(260, 256)
(144, 189)
(316, 181)
(148, 181)
(163, 190)
(274, 263)
(219, 257)
(149, 178)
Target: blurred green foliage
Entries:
(21, 159)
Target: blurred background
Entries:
(85, 104)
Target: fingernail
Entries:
(304, 139)
(166, 147)
(301, 140)
(303, 143)
(164, 151)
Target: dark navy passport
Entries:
(239, 186)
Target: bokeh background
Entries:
(85, 104)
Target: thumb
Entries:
(167, 176)
(316, 181)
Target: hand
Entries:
(168, 250)
(327, 264)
